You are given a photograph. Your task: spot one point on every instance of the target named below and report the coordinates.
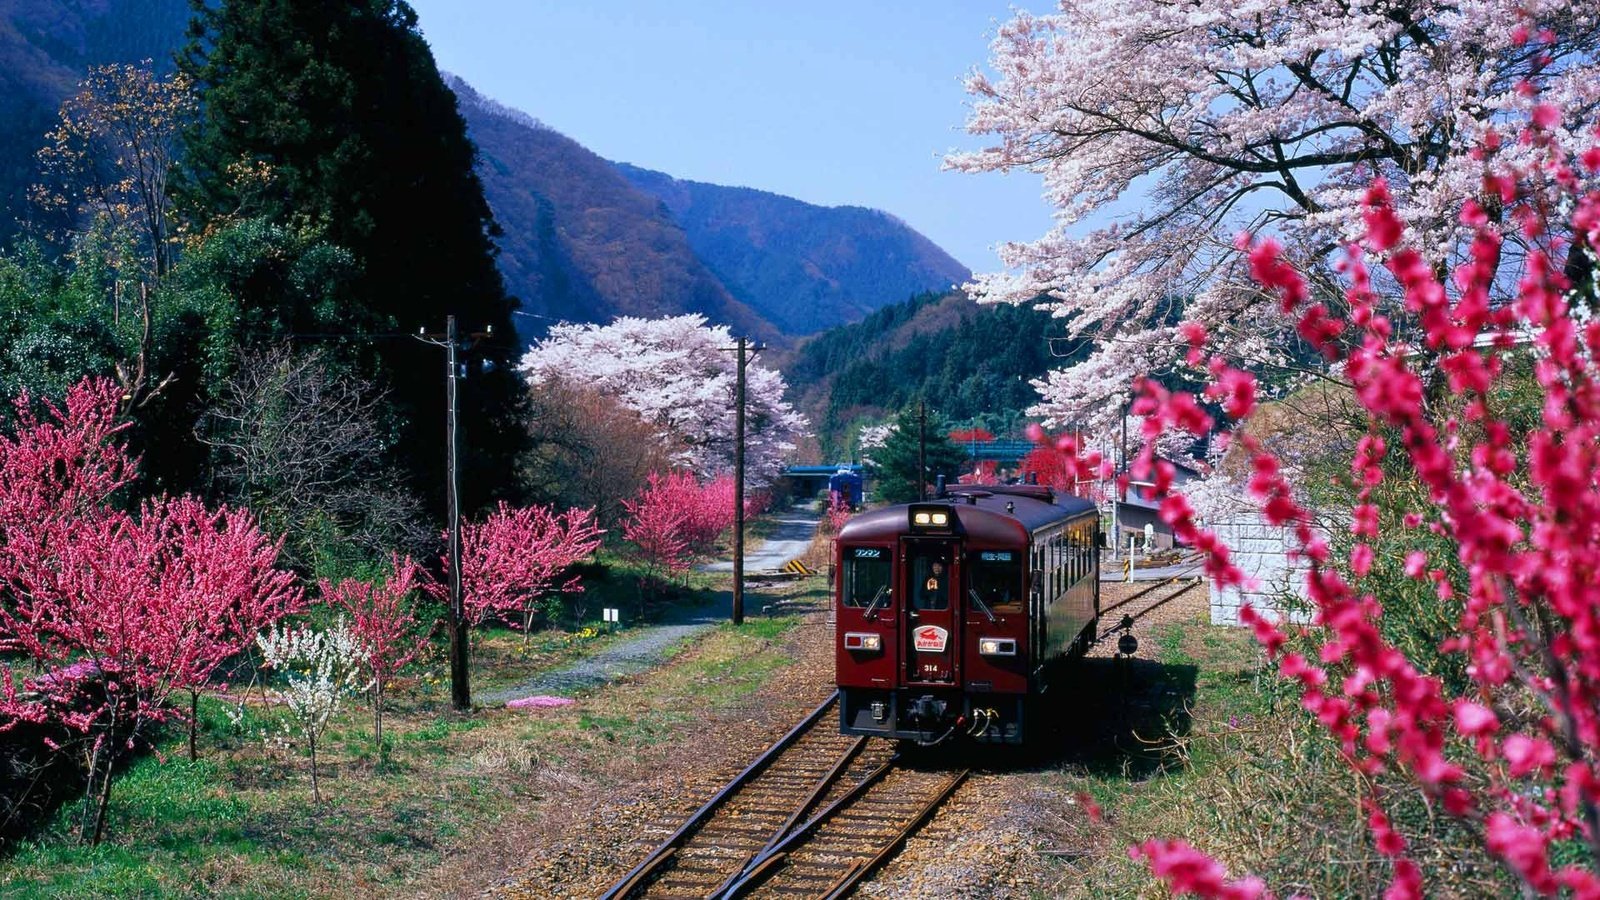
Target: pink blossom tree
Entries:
(658, 523)
(515, 556)
(122, 609)
(1517, 756)
(838, 514)
(1159, 130)
(383, 623)
(710, 512)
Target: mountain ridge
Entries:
(581, 238)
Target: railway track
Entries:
(1147, 604)
(813, 816)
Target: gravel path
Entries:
(788, 541)
(645, 649)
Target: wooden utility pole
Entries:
(922, 449)
(456, 612)
(738, 486)
(460, 672)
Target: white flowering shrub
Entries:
(318, 670)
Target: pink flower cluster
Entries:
(139, 604)
(1060, 462)
(538, 701)
(515, 555)
(676, 518)
(1519, 759)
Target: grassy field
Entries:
(240, 822)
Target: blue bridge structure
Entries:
(812, 479)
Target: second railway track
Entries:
(811, 817)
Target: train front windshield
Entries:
(866, 576)
(996, 577)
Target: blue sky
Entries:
(830, 102)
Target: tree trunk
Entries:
(377, 713)
(85, 821)
(194, 723)
(316, 793)
(105, 801)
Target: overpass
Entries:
(811, 479)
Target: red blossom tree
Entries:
(1518, 756)
(123, 609)
(977, 435)
(384, 624)
(710, 510)
(514, 557)
(1058, 462)
(659, 519)
(838, 514)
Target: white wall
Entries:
(1261, 552)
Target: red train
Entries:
(953, 612)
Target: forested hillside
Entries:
(970, 362)
(45, 46)
(577, 241)
(802, 266)
(581, 238)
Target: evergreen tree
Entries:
(894, 465)
(333, 117)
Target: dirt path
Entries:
(788, 541)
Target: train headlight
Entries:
(997, 646)
(930, 519)
(860, 640)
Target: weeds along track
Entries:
(811, 817)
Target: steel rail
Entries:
(762, 864)
(664, 853)
(1154, 587)
(804, 806)
(860, 871)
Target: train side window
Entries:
(996, 577)
(866, 572)
(1072, 555)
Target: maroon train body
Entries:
(952, 613)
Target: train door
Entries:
(932, 611)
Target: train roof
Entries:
(999, 513)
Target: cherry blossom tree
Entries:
(678, 374)
(1160, 130)
(383, 623)
(1517, 755)
(515, 556)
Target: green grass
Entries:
(240, 822)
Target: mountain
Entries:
(803, 267)
(971, 362)
(578, 241)
(585, 239)
(582, 238)
(45, 48)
